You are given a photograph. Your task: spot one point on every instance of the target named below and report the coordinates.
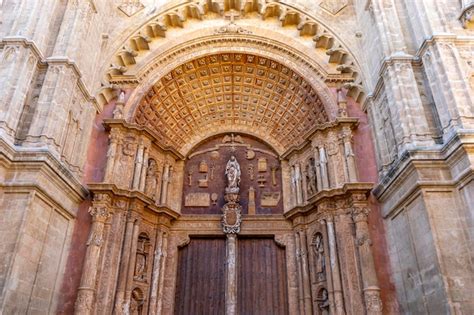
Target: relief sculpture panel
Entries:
(205, 181)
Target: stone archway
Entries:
(192, 93)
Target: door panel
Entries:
(200, 285)
(262, 278)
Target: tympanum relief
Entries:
(210, 166)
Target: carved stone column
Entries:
(159, 304)
(164, 185)
(317, 167)
(324, 168)
(141, 186)
(131, 265)
(138, 167)
(111, 259)
(300, 273)
(231, 283)
(100, 212)
(299, 192)
(157, 281)
(360, 211)
(305, 273)
(334, 263)
(124, 264)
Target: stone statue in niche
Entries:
(320, 261)
(310, 178)
(232, 171)
(143, 245)
(151, 180)
(323, 301)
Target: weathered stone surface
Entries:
(344, 92)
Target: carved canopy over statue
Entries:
(232, 171)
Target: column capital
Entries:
(360, 213)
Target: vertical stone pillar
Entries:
(156, 286)
(300, 273)
(304, 186)
(141, 186)
(124, 263)
(360, 211)
(324, 168)
(138, 167)
(299, 192)
(111, 259)
(317, 166)
(305, 273)
(86, 294)
(159, 304)
(294, 199)
(131, 265)
(334, 263)
(231, 273)
(164, 185)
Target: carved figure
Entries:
(323, 302)
(232, 171)
(141, 258)
(318, 249)
(151, 180)
(310, 178)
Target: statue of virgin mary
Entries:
(232, 171)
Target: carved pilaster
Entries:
(127, 250)
(323, 167)
(334, 264)
(100, 212)
(360, 212)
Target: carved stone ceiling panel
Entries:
(212, 93)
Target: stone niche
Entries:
(204, 178)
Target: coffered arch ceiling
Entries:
(235, 92)
(257, 18)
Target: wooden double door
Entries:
(261, 277)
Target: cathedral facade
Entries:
(237, 157)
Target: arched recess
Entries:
(248, 93)
(267, 24)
